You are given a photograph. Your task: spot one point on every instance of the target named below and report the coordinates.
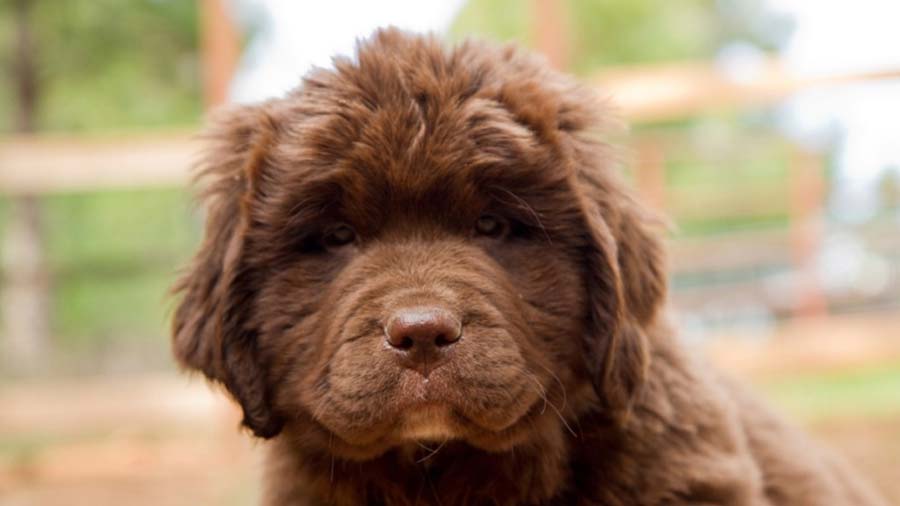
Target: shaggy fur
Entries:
(364, 192)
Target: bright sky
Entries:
(296, 35)
(839, 36)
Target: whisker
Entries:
(541, 391)
(564, 422)
(547, 402)
(433, 452)
(562, 387)
(422, 446)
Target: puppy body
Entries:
(694, 438)
(466, 194)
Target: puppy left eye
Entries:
(489, 225)
(340, 235)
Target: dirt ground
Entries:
(166, 440)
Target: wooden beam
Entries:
(25, 301)
(35, 165)
(550, 29)
(679, 90)
(219, 49)
(807, 203)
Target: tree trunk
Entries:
(26, 295)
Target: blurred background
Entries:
(768, 130)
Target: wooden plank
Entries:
(670, 91)
(550, 30)
(734, 250)
(708, 201)
(808, 188)
(220, 50)
(25, 298)
(33, 165)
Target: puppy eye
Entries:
(338, 236)
(490, 226)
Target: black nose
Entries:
(422, 327)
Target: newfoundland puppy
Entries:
(424, 283)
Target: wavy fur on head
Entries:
(476, 181)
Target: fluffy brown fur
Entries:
(365, 191)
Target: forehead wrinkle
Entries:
(429, 148)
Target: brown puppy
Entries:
(424, 283)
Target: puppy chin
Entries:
(427, 423)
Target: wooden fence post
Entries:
(26, 287)
(807, 195)
(550, 29)
(220, 50)
(650, 172)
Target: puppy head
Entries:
(420, 244)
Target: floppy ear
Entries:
(209, 330)
(626, 280)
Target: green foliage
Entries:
(641, 31)
(102, 228)
(865, 392)
(110, 63)
(604, 32)
(113, 256)
(723, 174)
(497, 20)
(7, 99)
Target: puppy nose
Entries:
(422, 328)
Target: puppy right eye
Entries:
(490, 226)
(340, 235)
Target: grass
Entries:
(102, 230)
(111, 258)
(867, 392)
(98, 311)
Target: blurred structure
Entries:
(786, 265)
(711, 284)
(286, 38)
(26, 300)
(220, 51)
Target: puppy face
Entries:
(420, 245)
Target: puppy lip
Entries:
(427, 421)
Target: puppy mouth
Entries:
(427, 411)
(424, 411)
(428, 422)
(433, 418)
(476, 395)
